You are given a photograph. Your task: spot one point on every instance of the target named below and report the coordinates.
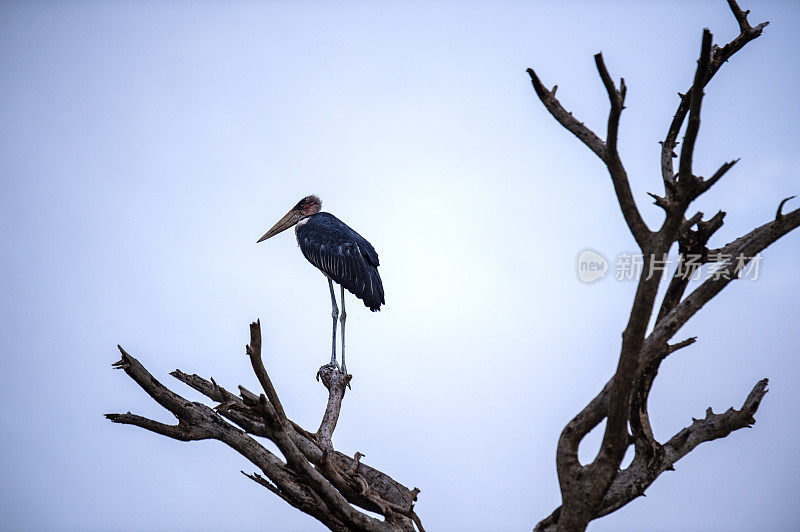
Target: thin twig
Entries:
(693, 125)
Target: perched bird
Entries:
(338, 252)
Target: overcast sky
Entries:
(146, 146)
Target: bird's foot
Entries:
(346, 375)
(327, 367)
(332, 374)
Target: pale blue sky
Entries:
(146, 146)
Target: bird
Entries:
(340, 253)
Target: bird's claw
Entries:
(330, 366)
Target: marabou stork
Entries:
(338, 252)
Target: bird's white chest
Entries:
(297, 227)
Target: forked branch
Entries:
(599, 487)
(734, 258)
(605, 150)
(633, 481)
(310, 475)
(718, 58)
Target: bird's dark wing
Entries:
(343, 255)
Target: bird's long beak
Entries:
(291, 218)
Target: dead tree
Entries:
(600, 487)
(328, 485)
(311, 475)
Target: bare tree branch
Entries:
(779, 212)
(632, 482)
(606, 151)
(615, 97)
(647, 448)
(254, 352)
(708, 183)
(720, 56)
(592, 490)
(236, 410)
(565, 118)
(337, 384)
(696, 100)
(315, 478)
(693, 254)
(182, 431)
(619, 176)
(739, 253)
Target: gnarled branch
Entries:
(737, 255)
(314, 477)
(719, 57)
(606, 151)
(598, 488)
(634, 480)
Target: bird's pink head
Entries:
(306, 207)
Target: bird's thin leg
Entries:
(334, 315)
(341, 320)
